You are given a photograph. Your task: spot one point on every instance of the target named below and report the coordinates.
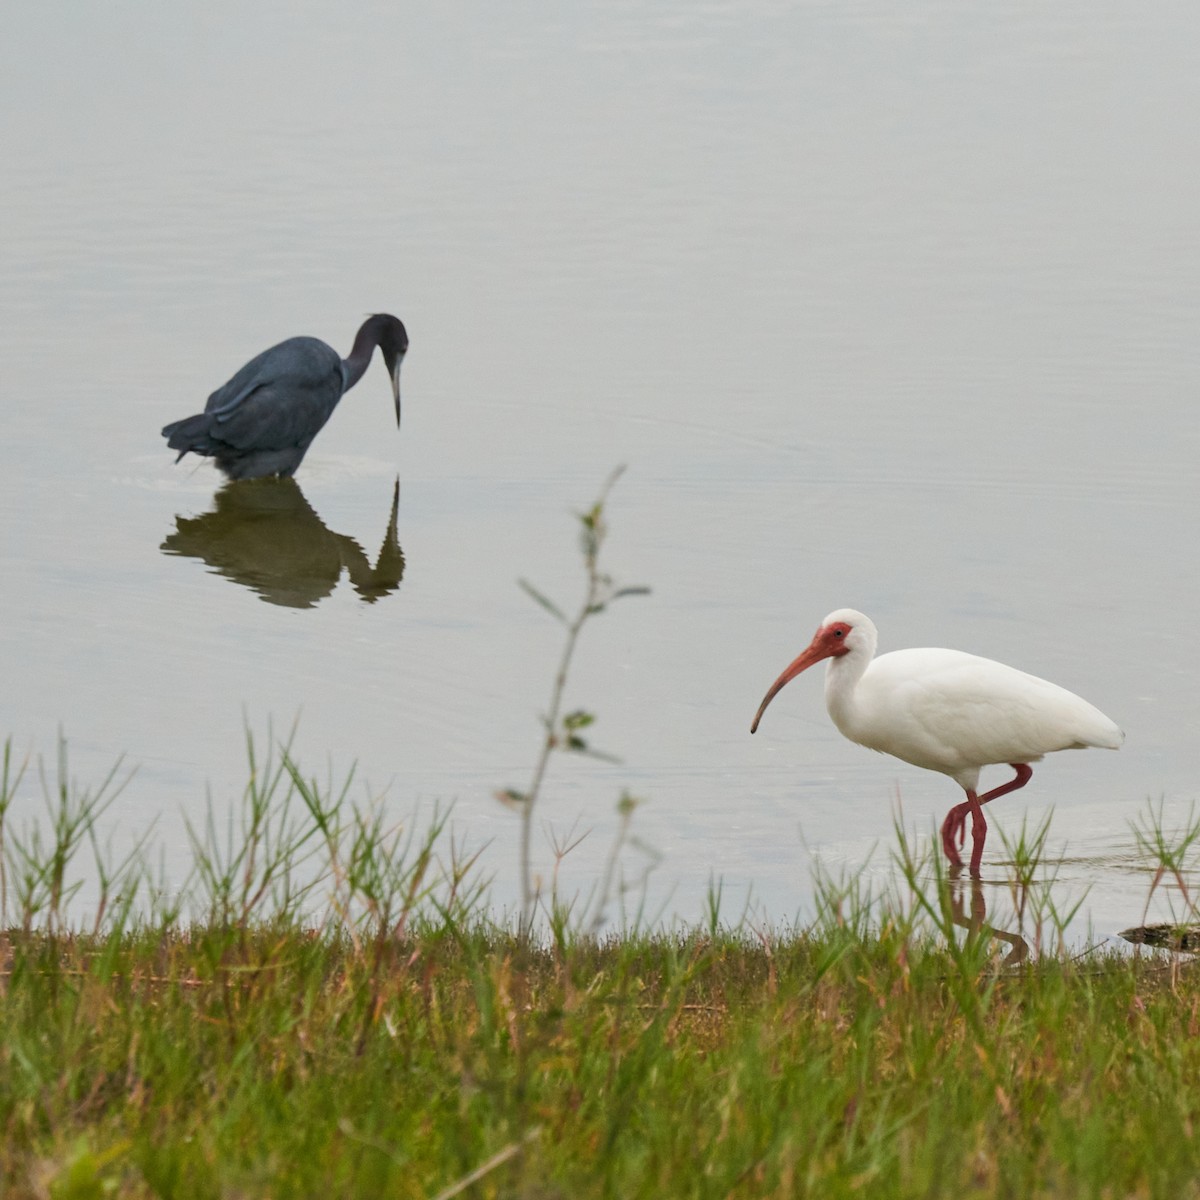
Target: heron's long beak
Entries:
(396, 388)
(812, 655)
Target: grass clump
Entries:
(350, 1020)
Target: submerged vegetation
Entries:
(329, 1006)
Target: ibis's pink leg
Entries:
(954, 827)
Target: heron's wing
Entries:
(280, 399)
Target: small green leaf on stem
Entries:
(543, 600)
(600, 755)
(627, 803)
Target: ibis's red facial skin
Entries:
(834, 636)
(828, 642)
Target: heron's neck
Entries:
(358, 360)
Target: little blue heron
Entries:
(264, 419)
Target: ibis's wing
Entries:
(949, 707)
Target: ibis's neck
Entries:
(842, 677)
(356, 362)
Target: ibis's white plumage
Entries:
(946, 711)
(952, 712)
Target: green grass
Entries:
(328, 1010)
(327, 1006)
(223, 1061)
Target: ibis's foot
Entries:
(956, 819)
(954, 833)
(978, 834)
(953, 828)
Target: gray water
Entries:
(889, 307)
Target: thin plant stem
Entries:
(550, 742)
(562, 730)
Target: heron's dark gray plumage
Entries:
(264, 419)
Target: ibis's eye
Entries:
(839, 633)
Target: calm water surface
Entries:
(895, 311)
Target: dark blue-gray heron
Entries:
(264, 419)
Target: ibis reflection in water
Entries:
(264, 419)
(973, 919)
(266, 536)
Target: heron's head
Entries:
(392, 339)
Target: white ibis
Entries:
(946, 711)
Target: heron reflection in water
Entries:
(266, 536)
